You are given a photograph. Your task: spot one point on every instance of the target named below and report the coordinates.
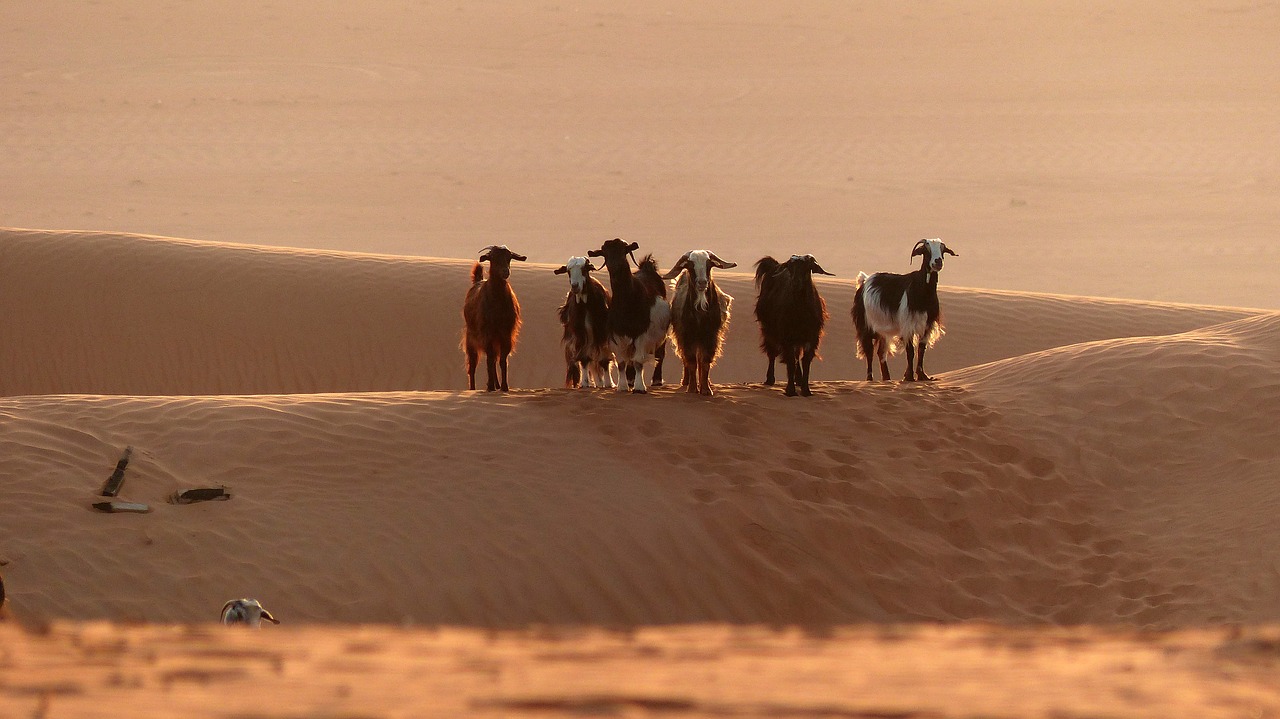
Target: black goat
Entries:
(639, 316)
(699, 316)
(491, 316)
(889, 307)
(585, 314)
(791, 315)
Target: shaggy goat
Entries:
(888, 307)
(791, 315)
(246, 611)
(639, 316)
(699, 316)
(491, 315)
(584, 314)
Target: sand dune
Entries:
(1080, 461)
(1079, 480)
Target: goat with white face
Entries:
(246, 611)
(699, 316)
(889, 307)
(588, 359)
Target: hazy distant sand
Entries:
(1115, 149)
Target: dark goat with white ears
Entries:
(792, 315)
(639, 315)
(584, 315)
(889, 307)
(491, 317)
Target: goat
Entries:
(246, 611)
(639, 316)
(791, 314)
(584, 315)
(491, 316)
(699, 316)
(889, 307)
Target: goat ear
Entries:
(484, 257)
(918, 249)
(633, 247)
(561, 270)
(518, 258)
(594, 253)
(948, 251)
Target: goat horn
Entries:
(719, 262)
(678, 267)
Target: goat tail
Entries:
(477, 273)
(860, 280)
(648, 273)
(765, 267)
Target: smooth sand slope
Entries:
(1088, 480)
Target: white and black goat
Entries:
(699, 316)
(246, 611)
(584, 314)
(889, 307)
(491, 317)
(792, 315)
(639, 315)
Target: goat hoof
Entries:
(805, 392)
(790, 391)
(768, 382)
(638, 391)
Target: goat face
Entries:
(499, 259)
(615, 253)
(932, 252)
(802, 263)
(698, 263)
(579, 270)
(246, 611)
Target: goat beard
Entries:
(700, 299)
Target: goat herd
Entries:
(631, 325)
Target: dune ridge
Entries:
(111, 313)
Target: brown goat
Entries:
(792, 314)
(699, 316)
(491, 317)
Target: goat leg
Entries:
(659, 354)
(804, 371)
(768, 376)
(910, 376)
(920, 375)
(491, 366)
(473, 359)
(704, 376)
(789, 354)
(502, 367)
(690, 381)
(868, 349)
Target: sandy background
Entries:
(259, 219)
(1094, 149)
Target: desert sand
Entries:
(253, 227)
